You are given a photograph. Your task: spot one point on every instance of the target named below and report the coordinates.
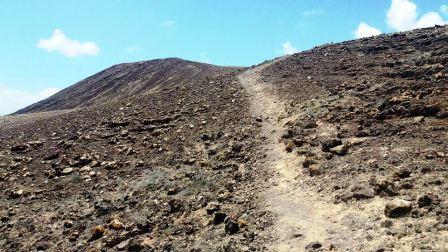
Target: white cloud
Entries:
(12, 100)
(68, 47)
(444, 9)
(168, 23)
(365, 30)
(288, 48)
(402, 16)
(313, 13)
(430, 19)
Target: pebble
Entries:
(116, 224)
(212, 207)
(313, 246)
(16, 194)
(340, 150)
(85, 169)
(122, 245)
(67, 171)
(403, 173)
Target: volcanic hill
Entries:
(126, 80)
(339, 148)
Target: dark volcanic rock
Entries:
(20, 147)
(313, 246)
(231, 226)
(218, 218)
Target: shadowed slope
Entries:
(126, 80)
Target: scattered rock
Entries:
(231, 226)
(310, 160)
(109, 165)
(97, 232)
(289, 147)
(67, 171)
(52, 155)
(419, 119)
(310, 124)
(85, 159)
(85, 169)
(384, 187)
(421, 110)
(122, 245)
(172, 191)
(313, 246)
(115, 224)
(219, 217)
(16, 194)
(20, 148)
(205, 137)
(212, 207)
(363, 193)
(340, 150)
(237, 147)
(403, 173)
(397, 208)
(68, 224)
(426, 200)
(298, 142)
(386, 224)
(330, 143)
(314, 170)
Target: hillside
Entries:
(339, 148)
(126, 80)
(368, 122)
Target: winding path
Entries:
(303, 216)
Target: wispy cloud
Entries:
(365, 30)
(68, 47)
(12, 100)
(313, 13)
(132, 49)
(287, 48)
(168, 23)
(205, 58)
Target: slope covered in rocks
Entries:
(162, 171)
(126, 80)
(369, 119)
(342, 147)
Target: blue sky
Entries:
(49, 45)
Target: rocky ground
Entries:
(370, 123)
(170, 171)
(342, 147)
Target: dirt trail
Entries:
(303, 216)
